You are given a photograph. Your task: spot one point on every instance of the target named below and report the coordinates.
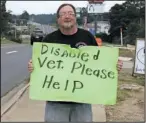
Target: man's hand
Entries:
(30, 66)
(119, 65)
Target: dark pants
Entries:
(68, 112)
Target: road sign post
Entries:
(95, 24)
(95, 7)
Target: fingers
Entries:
(30, 61)
(30, 66)
(119, 65)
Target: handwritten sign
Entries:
(62, 73)
(139, 63)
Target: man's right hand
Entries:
(30, 66)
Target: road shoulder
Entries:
(24, 109)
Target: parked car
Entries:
(36, 36)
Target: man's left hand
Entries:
(119, 65)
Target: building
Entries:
(78, 9)
(102, 26)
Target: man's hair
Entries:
(65, 4)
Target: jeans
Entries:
(68, 112)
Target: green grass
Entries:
(122, 95)
(6, 41)
(110, 45)
(122, 52)
(126, 53)
(127, 78)
(26, 42)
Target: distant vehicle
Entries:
(36, 36)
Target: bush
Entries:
(103, 36)
(18, 40)
(141, 32)
(11, 36)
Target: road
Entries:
(14, 59)
(128, 64)
(45, 28)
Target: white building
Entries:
(102, 26)
(78, 9)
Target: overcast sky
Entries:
(47, 7)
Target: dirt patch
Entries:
(130, 100)
(126, 53)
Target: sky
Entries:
(48, 7)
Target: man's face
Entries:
(67, 17)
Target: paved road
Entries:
(14, 59)
(128, 64)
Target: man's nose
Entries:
(67, 16)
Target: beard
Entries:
(67, 25)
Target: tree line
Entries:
(129, 16)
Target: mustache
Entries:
(67, 21)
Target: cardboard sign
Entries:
(85, 75)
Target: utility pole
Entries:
(15, 28)
(121, 36)
(95, 7)
(95, 24)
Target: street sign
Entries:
(95, 8)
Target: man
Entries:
(68, 33)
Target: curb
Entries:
(13, 100)
(99, 113)
(125, 58)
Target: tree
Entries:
(5, 17)
(24, 15)
(117, 19)
(132, 33)
(128, 15)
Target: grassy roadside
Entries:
(130, 95)
(130, 99)
(122, 52)
(6, 41)
(126, 78)
(126, 53)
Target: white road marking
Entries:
(11, 52)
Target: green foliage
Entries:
(11, 36)
(17, 40)
(5, 17)
(132, 33)
(141, 32)
(103, 36)
(130, 17)
(24, 15)
(44, 18)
